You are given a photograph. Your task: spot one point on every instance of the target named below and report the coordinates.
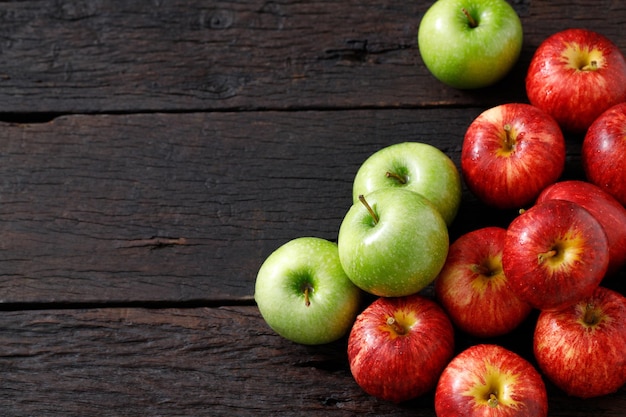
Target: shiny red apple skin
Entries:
(604, 152)
(509, 170)
(555, 253)
(584, 360)
(465, 385)
(472, 287)
(603, 206)
(397, 367)
(562, 81)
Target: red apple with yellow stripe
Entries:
(575, 75)
(582, 348)
(398, 347)
(603, 206)
(555, 253)
(510, 153)
(473, 288)
(490, 380)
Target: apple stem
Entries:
(395, 326)
(470, 19)
(369, 208)
(509, 142)
(493, 400)
(546, 255)
(400, 178)
(307, 300)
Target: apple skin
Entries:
(416, 166)
(333, 300)
(489, 380)
(467, 57)
(604, 152)
(472, 287)
(582, 348)
(398, 347)
(606, 209)
(400, 254)
(510, 153)
(563, 80)
(555, 253)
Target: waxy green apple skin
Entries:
(416, 166)
(402, 251)
(304, 294)
(470, 53)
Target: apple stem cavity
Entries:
(369, 209)
(481, 270)
(470, 19)
(393, 323)
(542, 257)
(400, 178)
(591, 66)
(591, 315)
(492, 401)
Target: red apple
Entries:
(510, 153)
(489, 380)
(575, 75)
(606, 209)
(398, 347)
(473, 289)
(582, 348)
(604, 152)
(555, 253)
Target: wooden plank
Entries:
(193, 362)
(185, 208)
(61, 56)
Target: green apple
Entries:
(470, 43)
(416, 166)
(393, 242)
(303, 293)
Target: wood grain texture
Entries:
(191, 362)
(59, 56)
(154, 153)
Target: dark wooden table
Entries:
(153, 153)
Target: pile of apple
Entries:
(553, 256)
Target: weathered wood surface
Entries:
(60, 56)
(154, 153)
(191, 362)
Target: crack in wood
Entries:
(155, 242)
(360, 50)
